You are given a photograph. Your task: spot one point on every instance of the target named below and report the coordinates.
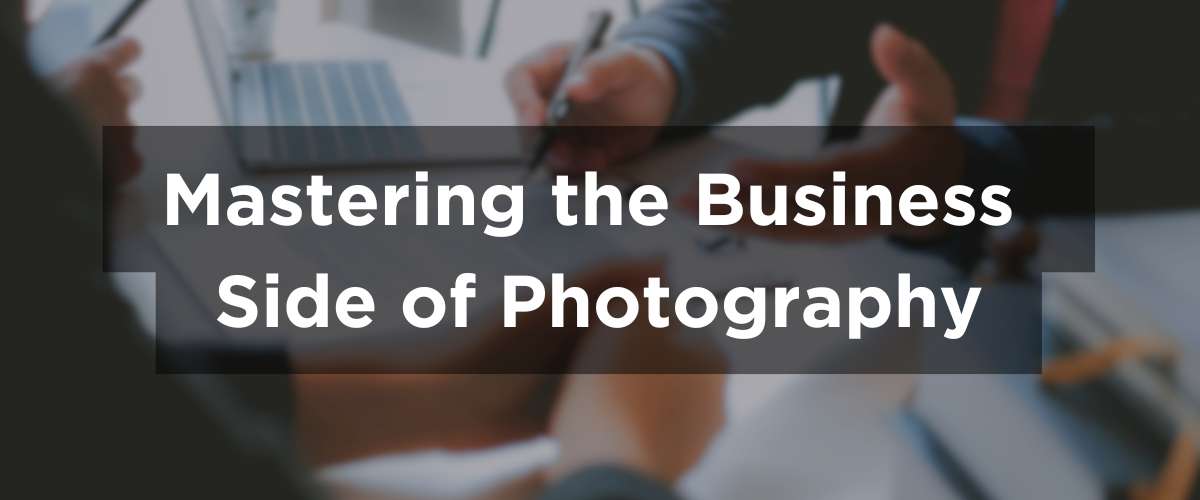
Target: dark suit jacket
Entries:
(741, 53)
(1125, 69)
(89, 416)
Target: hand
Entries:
(465, 401)
(658, 424)
(908, 139)
(344, 417)
(96, 84)
(622, 95)
(919, 91)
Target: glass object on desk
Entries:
(251, 27)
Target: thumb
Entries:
(603, 73)
(925, 90)
(118, 53)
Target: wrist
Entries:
(492, 409)
(941, 154)
(345, 417)
(671, 68)
(626, 445)
(606, 450)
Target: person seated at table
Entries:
(94, 416)
(100, 89)
(699, 62)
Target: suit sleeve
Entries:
(1122, 163)
(729, 55)
(1125, 162)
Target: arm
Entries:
(1133, 163)
(691, 62)
(335, 409)
(730, 55)
(355, 397)
(92, 407)
(1127, 165)
(1139, 164)
(656, 426)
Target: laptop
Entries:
(289, 115)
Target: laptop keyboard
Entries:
(335, 111)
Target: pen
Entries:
(559, 106)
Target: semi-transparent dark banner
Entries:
(627, 249)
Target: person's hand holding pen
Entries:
(620, 96)
(99, 85)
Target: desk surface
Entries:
(445, 90)
(439, 89)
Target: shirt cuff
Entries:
(684, 83)
(994, 156)
(608, 482)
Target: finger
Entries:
(122, 120)
(528, 103)
(562, 156)
(118, 53)
(530, 82)
(131, 86)
(606, 71)
(907, 64)
(591, 159)
(547, 66)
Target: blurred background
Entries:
(790, 436)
